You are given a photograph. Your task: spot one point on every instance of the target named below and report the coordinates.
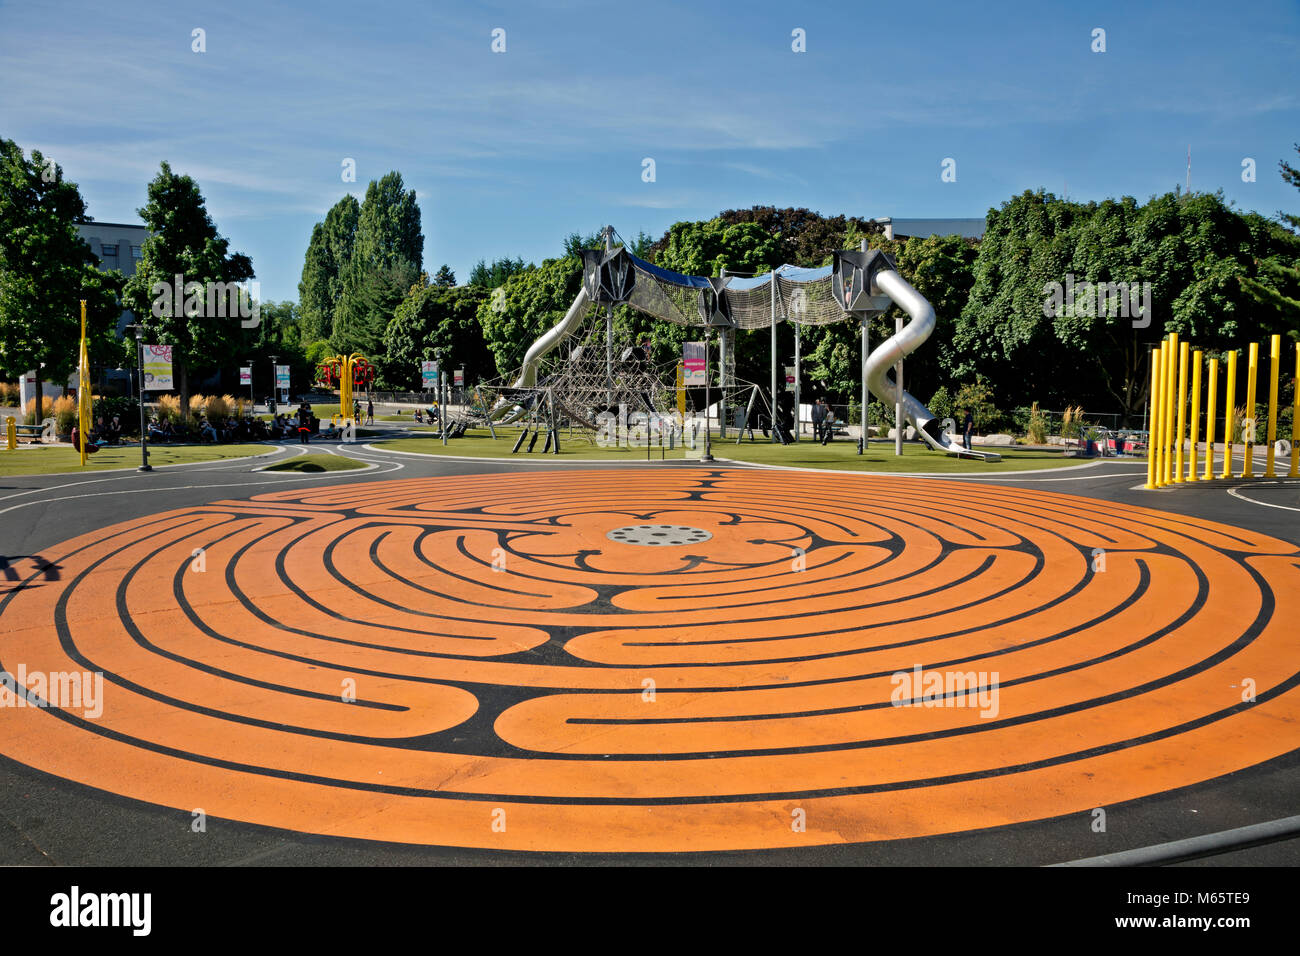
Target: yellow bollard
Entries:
(1275, 359)
(1194, 447)
(1158, 435)
(1229, 407)
(1179, 476)
(1248, 438)
(1211, 388)
(1171, 393)
(1153, 427)
(1295, 419)
(11, 432)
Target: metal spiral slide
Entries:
(904, 343)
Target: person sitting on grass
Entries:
(418, 416)
(331, 432)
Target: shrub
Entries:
(9, 394)
(978, 397)
(47, 409)
(1072, 423)
(218, 408)
(65, 414)
(941, 403)
(197, 402)
(169, 408)
(1036, 428)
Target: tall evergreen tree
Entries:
(328, 256)
(45, 268)
(184, 242)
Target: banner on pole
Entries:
(282, 377)
(158, 368)
(693, 361)
(429, 375)
(458, 378)
(789, 375)
(245, 376)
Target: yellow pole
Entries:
(1229, 409)
(1195, 409)
(11, 432)
(1275, 359)
(1252, 376)
(1171, 409)
(1295, 419)
(1179, 476)
(1162, 432)
(1170, 405)
(1211, 388)
(1153, 428)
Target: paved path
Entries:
(438, 661)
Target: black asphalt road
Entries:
(46, 820)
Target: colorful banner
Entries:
(429, 375)
(458, 378)
(282, 377)
(693, 361)
(789, 375)
(158, 368)
(245, 376)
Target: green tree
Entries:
(529, 303)
(1278, 288)
(368, 307)
(385, 264)
(45, 269)
(185, 243)
(444, 277)
(491, 276)
(706, 248)
(432, 319)
(328, 255)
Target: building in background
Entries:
(907, 228)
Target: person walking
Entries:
(370, 412)
(828, 426)
(967, 429)
(818, 417)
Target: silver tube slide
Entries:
(506, 411)
(904, 343)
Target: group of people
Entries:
(204, 429)
(824, 424)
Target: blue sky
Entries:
(509, 152)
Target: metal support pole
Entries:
(1275, 360)
(797, 376)
(144, 433)
(862, 412)
(898, 405)
(773, 408)
(1212, 389)
(708, 452)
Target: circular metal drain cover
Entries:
(658, 534)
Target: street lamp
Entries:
(144, 432)
(274, 385)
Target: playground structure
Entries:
(587, 384)
(1173, 452)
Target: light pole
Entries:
(442, 405)
(144, 432)
(708, 451)
(274, 385)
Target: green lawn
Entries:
(55, 459)
(316, 462)
(477, 443)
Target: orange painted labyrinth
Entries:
(657, 660)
